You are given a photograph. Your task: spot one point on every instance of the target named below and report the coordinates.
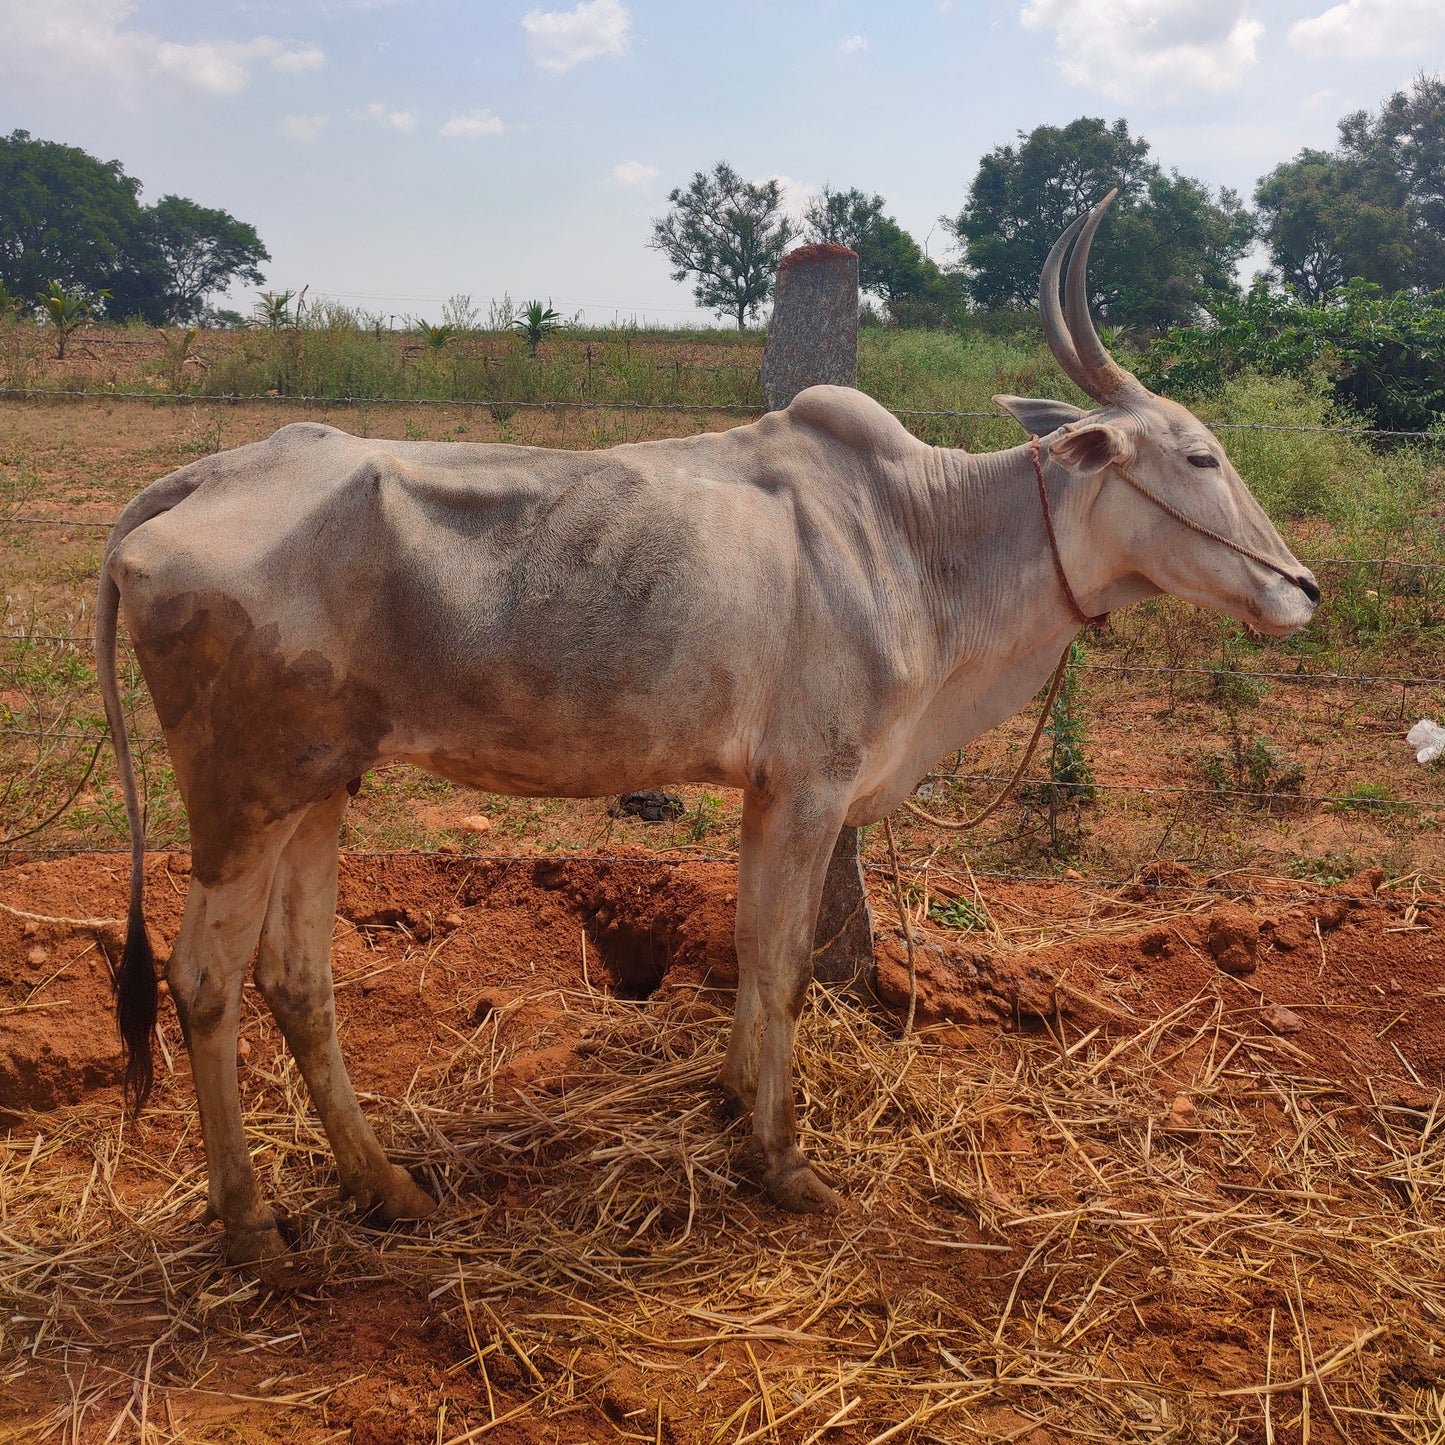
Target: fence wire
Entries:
(266, 399)
(9, 393)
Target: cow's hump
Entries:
(852, 418)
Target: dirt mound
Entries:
(1341, 968)
(473, 926)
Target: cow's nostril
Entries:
(1307, 585)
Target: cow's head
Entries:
(1170, 452)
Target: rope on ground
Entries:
(64, 922)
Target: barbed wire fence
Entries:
(322, 402)
(52, 775)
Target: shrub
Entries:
(1381, 352)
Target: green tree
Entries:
(1172, 244)
(1324, 221)
(1372, 208)
(1401, 149)
(730, 235)
(273, 310)
(1172, 250)
(67, 217)
(1024, 195)
(64, 216)
(891, 264)
(201, 251)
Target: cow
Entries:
(811, 608)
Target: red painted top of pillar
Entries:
(823, 251)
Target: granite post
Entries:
(812, 340)
(813, 336)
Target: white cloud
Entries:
(1165, 49)
(1315, 101)
(223, 67)
(795, 195)
(1366, 29)
(474, 123)
(304, 128)
(559, 39)
(68, 39)
(395, 119)
(855, 45)
(299, 60)
(635, 175)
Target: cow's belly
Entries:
(584, 774)
(566, 720)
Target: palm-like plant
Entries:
(437, 336)
(177, 350)
(273, 310)
(535, 322)
(68, 311)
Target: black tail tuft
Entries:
(135, 1007)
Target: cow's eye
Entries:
(1203, 459)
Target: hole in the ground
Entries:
(635, 959)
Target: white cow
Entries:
(812, 608)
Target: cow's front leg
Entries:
(739, 1074)
(795, 834)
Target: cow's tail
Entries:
(135, 982)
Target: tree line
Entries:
(74, 226)
(1373, 209)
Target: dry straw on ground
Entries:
(1025, 1231)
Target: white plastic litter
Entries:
(1428, 740)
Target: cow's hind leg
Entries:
(293, 972)
(206, 972)
(795, 838)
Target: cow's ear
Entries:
(1090, 448)
(1037, 415)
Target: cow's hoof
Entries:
(259, 1245)
(792, 1184)
(396, 1196)
(730, 1104)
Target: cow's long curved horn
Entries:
(1105, 378)
(1051, 313)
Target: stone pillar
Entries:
(812, 340)
(813, 336)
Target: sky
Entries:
(395, 153)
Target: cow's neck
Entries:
(1001, 614)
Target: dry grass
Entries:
(1032, 1240)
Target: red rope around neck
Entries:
(1080, 616)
